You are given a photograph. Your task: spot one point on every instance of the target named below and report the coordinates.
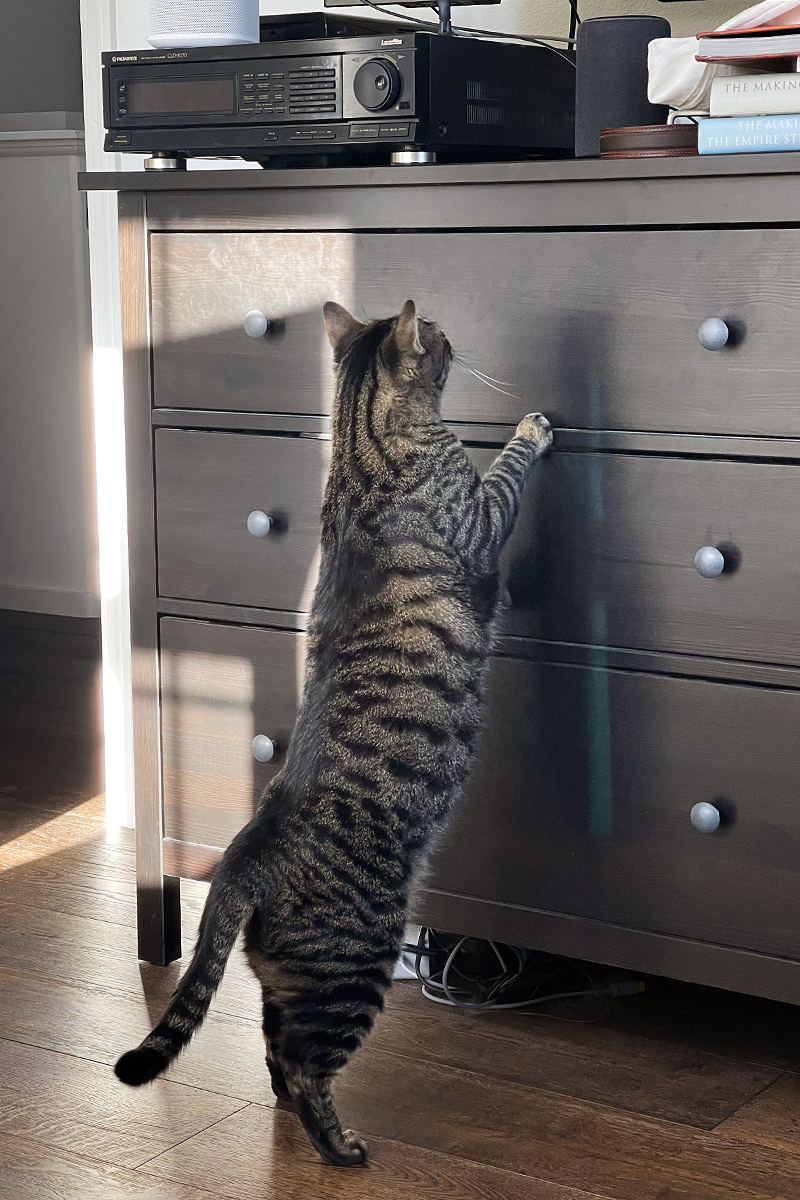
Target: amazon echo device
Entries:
(611, 77)
(181, 24)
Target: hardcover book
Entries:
(766, 41)
(748, 95)
(748, 135)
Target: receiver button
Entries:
(363, 131)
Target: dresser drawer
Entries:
(582, 795)
(604, 548)
(221, 687)
(581, 801)
(598, 329)
(207, 486)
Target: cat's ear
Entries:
(339, 324)
(406, 331)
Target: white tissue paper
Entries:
(677, 79)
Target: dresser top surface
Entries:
(735, 166)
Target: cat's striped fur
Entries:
(397, 652)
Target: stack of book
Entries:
(758, 112)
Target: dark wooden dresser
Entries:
(637, 795)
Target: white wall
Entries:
(552, 16)
(47, 539)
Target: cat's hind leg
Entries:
(311, 1091)
(272, 1032)
(321, 1029)
(272, 1013)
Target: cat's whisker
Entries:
(496, 383)
(490, 378)
(464, 362)
(482, 379)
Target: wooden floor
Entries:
(682, 1094)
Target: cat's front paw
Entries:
(537, 429)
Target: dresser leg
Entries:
(159, 921)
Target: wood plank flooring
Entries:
(682, 1093)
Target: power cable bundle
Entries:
(487, 976)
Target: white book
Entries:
(754, 95)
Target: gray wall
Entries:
(40, 56)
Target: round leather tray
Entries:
(649, 141)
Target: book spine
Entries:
(748, 135)
(746, 95)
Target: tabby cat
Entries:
(397, 653)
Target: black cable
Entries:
(574, 19)
(426, 952)
(471, 31)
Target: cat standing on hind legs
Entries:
(397, 652)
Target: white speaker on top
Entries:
(180, 24)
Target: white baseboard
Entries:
(49, 600)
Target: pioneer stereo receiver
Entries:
(340, 100)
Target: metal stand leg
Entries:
(159, 921)
(162, 160)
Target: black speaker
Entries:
(611, 77)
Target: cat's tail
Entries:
(237, 886)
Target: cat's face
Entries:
(434, 365)
(412, 350)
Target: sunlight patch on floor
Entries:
(84, 823)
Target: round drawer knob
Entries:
(263, 748)
(256, 323)
(713, 334)
(705, 817)
(259, 524)
(709, 562)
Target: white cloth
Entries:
(676, 78)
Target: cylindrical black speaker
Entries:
(611, 77)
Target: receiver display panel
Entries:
(214, 95)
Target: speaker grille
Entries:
(203, 22)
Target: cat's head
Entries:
(413, 352)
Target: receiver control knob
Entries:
(377, 84)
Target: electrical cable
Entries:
(523, 1007)
(470, 31)
(484, 993)
(574, 19)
